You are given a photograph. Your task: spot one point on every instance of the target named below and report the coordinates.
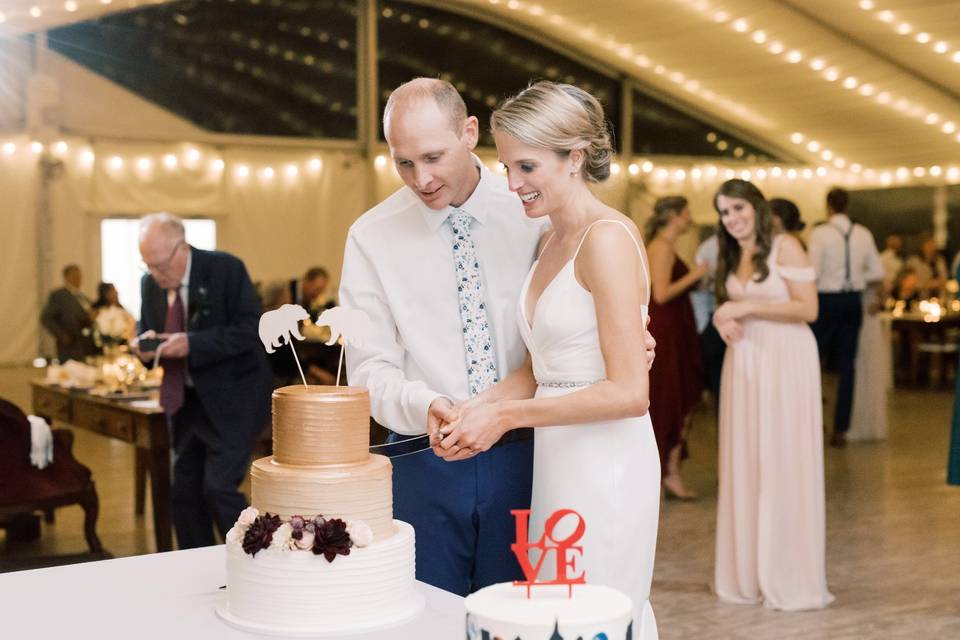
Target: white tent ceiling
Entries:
(869, 83)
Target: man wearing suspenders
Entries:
(846, 260)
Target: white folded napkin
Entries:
(41, 442)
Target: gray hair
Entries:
(169, 224)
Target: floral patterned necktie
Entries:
(477, 344)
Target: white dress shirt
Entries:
(398, 267)
(828, 254)
(703, 297)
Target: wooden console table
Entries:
(145, 428)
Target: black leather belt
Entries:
(408, 445)
(515, 435)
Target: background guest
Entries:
(846, 261)
(712, 346)
(107, 298)
(892, 261)
(907, 286)
(786, 218)
(931, 269)
(67, 317)
(771, 525)
(868, 420)
(676, 377)
(310, 291)
(216, 382)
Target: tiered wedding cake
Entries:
(319, 550)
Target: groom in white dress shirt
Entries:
(399, 267)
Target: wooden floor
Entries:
(893, 533)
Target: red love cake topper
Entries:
(563, 550)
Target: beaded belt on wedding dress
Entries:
(555, 384)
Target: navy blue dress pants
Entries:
(837, 329)
(460, 511)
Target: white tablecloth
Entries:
(164, 595)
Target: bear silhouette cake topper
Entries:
(348, 326)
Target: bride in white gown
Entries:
(582, 313)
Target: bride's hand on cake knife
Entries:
(446, 427)
(478, 428)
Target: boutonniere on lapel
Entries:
(199, 306)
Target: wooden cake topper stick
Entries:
(352, 325)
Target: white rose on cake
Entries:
(281, 538)
(247, 516)
(360, 533)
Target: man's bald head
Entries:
(443, 94)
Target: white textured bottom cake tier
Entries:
(299, 593)
(503, 611)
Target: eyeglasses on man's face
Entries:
(163, 265)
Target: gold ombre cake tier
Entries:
(350, 492)
(318, 425)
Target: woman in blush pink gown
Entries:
(771, 530)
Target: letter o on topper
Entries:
(555, 519)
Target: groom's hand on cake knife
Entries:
(440, 413)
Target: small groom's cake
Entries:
(564, 608)
(504, 611)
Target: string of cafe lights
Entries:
(41, 9)
(640, 60)
(829, 72)
(146, 166)
(906, 29)
(306, 164)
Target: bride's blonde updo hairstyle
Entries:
(560, 118)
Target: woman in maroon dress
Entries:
(676, 379)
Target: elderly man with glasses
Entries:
(216, 383)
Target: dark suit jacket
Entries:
(65, 317)
(227, 362)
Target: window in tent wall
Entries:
(120, 261)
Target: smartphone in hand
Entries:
(149, 345)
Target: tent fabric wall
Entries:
(20, 298)
(14, 72)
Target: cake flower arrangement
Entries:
(328, 537)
